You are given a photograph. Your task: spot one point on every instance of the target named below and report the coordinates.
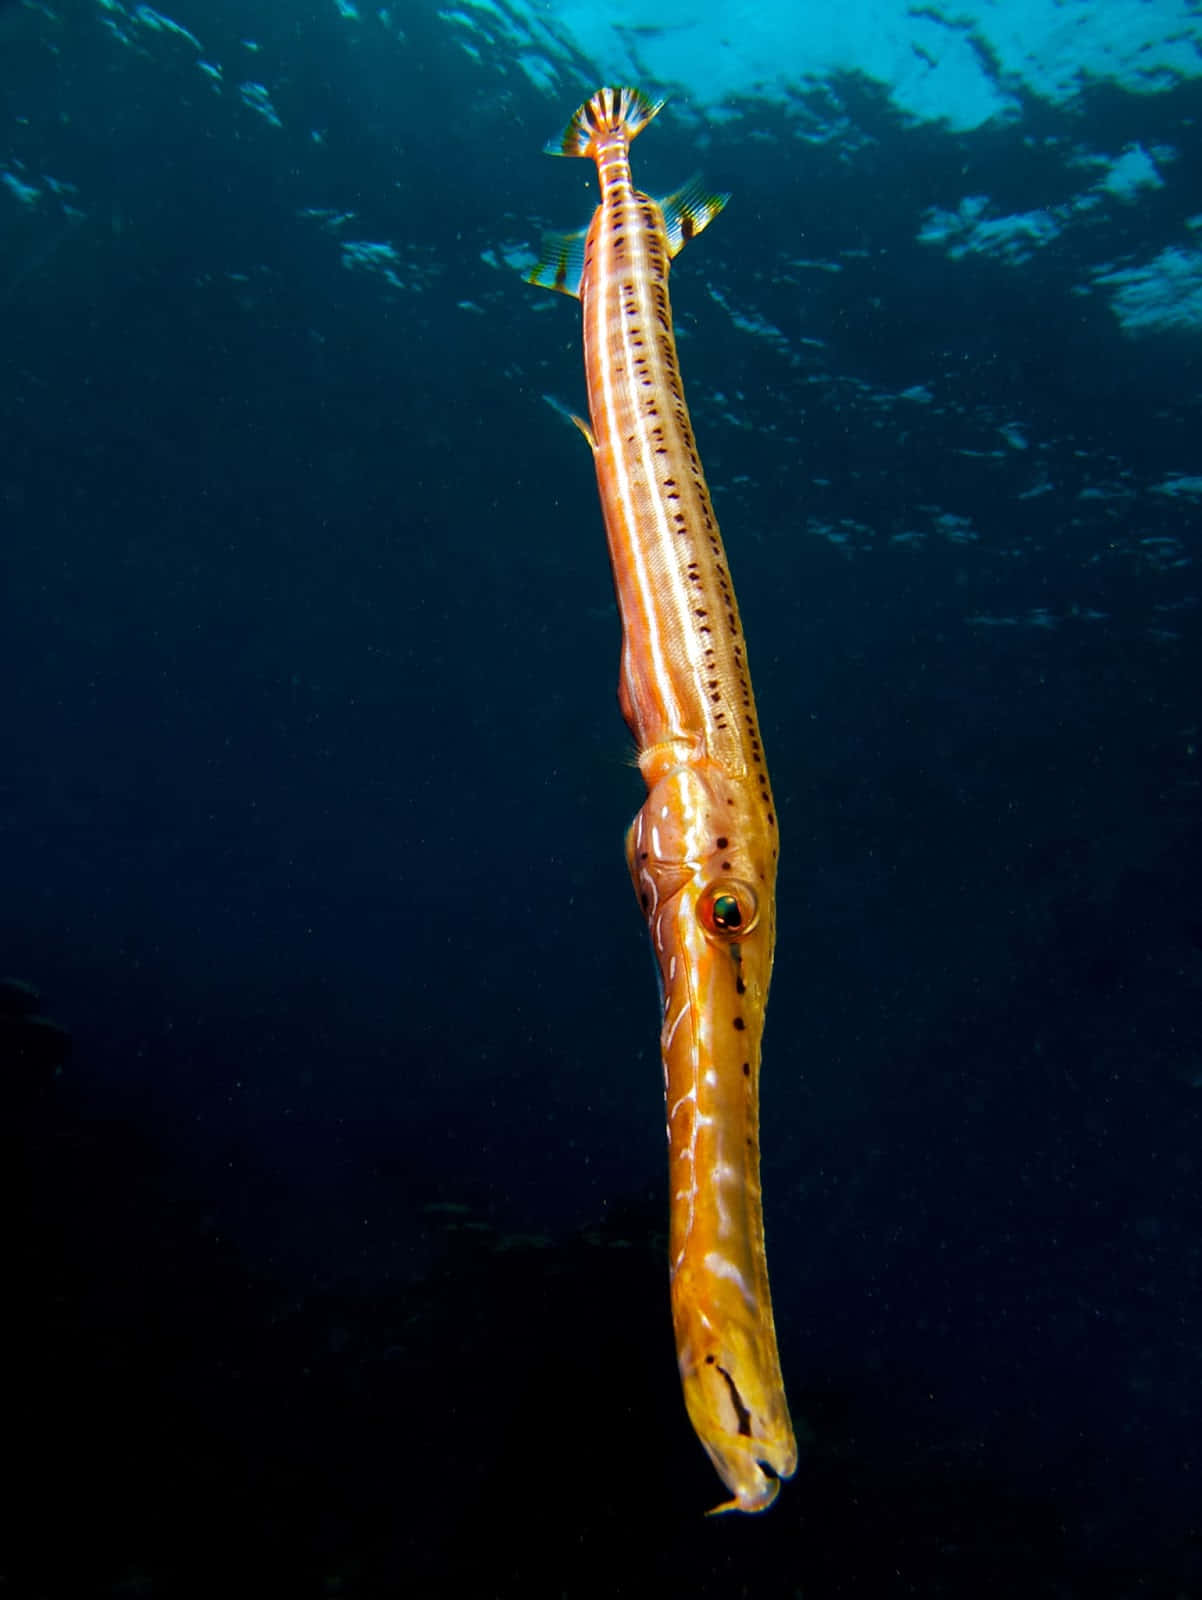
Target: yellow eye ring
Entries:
(728, 909)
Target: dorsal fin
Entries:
(686, 212)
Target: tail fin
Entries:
(609, 111)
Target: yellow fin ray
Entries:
(608, 111)
(692, 208)
(560, 262)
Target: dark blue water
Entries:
(336, 1263)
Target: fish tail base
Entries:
(610, 111)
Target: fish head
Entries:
(702, 857)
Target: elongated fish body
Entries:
(702, 851)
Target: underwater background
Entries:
(332, 1108)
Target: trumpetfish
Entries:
(702, 851)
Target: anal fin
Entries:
(560, 262)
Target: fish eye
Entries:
(728, 909)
